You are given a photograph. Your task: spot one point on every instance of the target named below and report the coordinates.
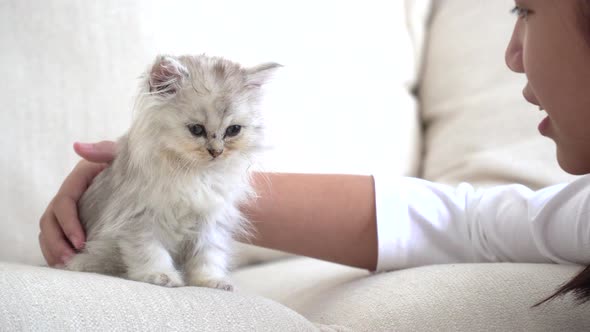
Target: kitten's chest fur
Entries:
(183, 210)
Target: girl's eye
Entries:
(197, 130)
(232, 131)
(520, 12)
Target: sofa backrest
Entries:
(341, 104)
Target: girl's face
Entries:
(548, 45)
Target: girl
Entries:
(380, 224)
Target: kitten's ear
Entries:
(167, 75)
(259, 75)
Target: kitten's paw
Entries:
(166, 279)
(222, 284)
(78, 262)
(85, 262)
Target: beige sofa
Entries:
(421, 84)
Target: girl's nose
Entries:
(513, 56)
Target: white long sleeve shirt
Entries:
(421, 222)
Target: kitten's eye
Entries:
(232, 131)
(197, 130)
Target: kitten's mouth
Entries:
(212, 159)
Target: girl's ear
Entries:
(167, 76)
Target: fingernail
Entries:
(86, 146)
(77, 242)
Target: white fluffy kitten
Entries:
(166, 210)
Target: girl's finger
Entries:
(66, 214)
(101, 152)
(55, 247)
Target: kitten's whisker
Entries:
(180, 170)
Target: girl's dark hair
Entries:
(579, 286)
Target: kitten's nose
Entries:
(214, 153)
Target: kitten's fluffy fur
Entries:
(166, 210)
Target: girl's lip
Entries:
(544, 126)
(528, 94)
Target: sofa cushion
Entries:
(454, 297)
(45, 299)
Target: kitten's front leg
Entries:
(148, 261)
(207, 264)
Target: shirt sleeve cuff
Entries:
(393, 225)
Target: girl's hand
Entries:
(61, 231)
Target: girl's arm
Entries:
(330, 217)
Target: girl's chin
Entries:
(573, 163)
